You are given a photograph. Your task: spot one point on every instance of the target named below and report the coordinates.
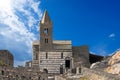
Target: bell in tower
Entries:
(45, 32)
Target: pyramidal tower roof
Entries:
(45, 18)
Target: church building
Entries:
(56, 56)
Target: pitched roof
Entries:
(45, 18)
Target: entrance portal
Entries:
(67, 64)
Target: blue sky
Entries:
(95, 23)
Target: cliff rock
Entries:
(114, 63)
(100, 65)
(115, 58)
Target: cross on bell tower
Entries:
(45, 32)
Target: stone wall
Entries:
(68, 77)
(6, 58)
(59, 78)
(81, 56)
(90, 74)
(52, 61)
(35, 60)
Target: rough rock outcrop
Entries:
(110, 64)
(115, 58)
(114, 69)
(100, 65)
(114, 63)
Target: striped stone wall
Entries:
(52, 61)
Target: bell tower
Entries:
(45, 33)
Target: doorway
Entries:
(67, 64)
(61, 69)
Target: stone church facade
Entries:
(56, 56)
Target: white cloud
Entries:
(112, 35)
(31, 21)
(15, 32)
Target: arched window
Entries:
(45, 70)
(46, 31)
(46, 40)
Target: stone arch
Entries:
(45, 70)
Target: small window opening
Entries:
(36, 56)
(46, 31)
(61, 55)
(46, 55)
(80, 70)
(46, 40)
